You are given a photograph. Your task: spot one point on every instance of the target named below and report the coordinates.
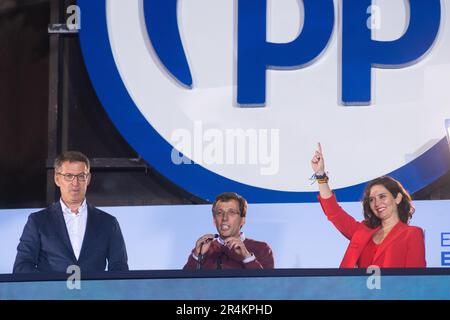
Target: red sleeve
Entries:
(415, 256)
(264, 259)
(344, 222)
(191, 264)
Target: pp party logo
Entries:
(234, 95)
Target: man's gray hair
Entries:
(71, 156)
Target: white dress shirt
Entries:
(76, 225)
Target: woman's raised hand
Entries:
(317, 162)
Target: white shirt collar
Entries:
(222, 242)
(67, 210)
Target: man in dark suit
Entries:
(229, 249)
(71, 231)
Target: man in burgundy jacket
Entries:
(229, 249)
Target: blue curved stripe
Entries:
(199, 181)
(162, 27)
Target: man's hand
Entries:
(206, 240)
(236, 245)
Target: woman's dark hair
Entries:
(405, 207)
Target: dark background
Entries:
(47, 105)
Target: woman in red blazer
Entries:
(383, 238)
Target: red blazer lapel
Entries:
(396, 232)
(356, 246)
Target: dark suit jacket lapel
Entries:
(90, 230)
(61, 228)
(396, 232)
